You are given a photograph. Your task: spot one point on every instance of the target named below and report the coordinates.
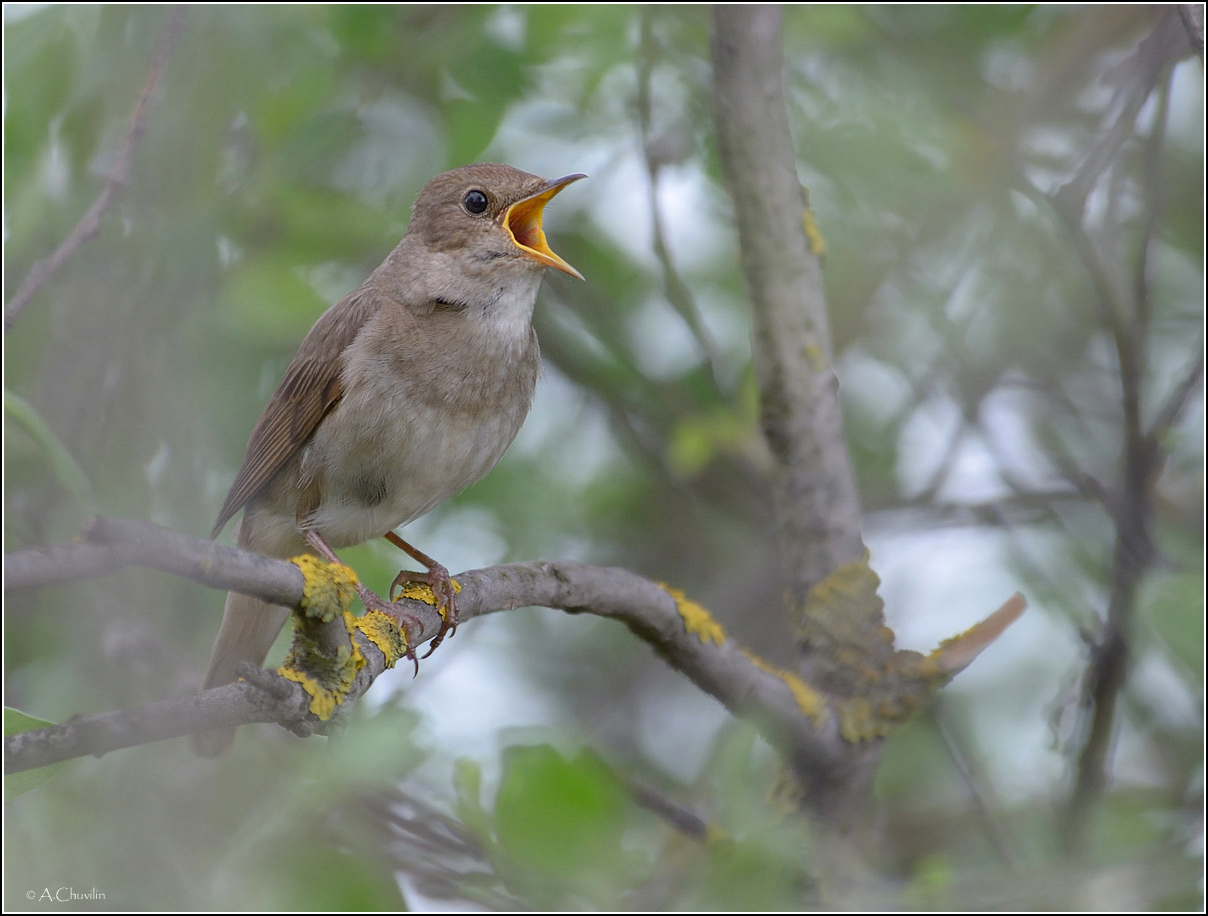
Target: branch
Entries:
(675, 289)
(1154, 196)
(647, 609)
(818, 513)
(1022, 508)
(1139, 75)
(90, 222)
(1192, 15)
(1132, 498)
(681, 632)
(1168, 414)
(110, 545)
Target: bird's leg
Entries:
(438, 578)
(371, 601)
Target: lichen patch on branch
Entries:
(697, 620)
(852, 656)
(384, 632)
(329, 587)
(325, 671)
(422, 591)
(811, 702)
(842, 623)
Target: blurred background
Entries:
(989, 407)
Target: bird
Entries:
(405, 392)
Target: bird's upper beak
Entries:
(523, 222)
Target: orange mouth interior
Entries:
(523, 222)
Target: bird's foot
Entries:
(407, 623)
(436, 578)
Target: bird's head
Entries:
(488, 212)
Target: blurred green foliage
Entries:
(981, 392)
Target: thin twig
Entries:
(90, 222)
(1155, 202)
(997, 834)
(686, 822)
(1139, 76)
(1132, 500)
(674, 288)
(1168, 414)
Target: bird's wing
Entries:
(311, 387)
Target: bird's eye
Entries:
(475, 202)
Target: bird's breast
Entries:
(401, 442)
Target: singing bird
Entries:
(405, 392)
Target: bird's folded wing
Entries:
(311, 387)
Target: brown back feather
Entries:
(311, 387)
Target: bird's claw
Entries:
(404, 620)
(437, 578)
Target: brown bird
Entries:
(405, 392)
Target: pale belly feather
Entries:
(422, 458)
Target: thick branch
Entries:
(647, 609)
(817, 510)
(1192, 15)
(113, 544)
(746, 685)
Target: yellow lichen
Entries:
(874, 687)
(810, 701)
(697, 620)
(322, 701)
(327, 595)
(327, 680)
(422, 591)
(329, 587)
(842, 624)
(858, 721)
(384, 632)
(906, 684)
(813, 234)
(850, 590)
(929, 667)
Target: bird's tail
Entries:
(249, 627)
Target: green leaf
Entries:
(471, 126)
(467, 783)
(1173, 604)
(15, 723)
(62, 464)
(266, 300)
(307, 871)
(562, 819)
(42, 53)
(366, 32)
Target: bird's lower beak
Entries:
(523, 222)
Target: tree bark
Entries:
(817, 511)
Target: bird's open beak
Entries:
(523, 222)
